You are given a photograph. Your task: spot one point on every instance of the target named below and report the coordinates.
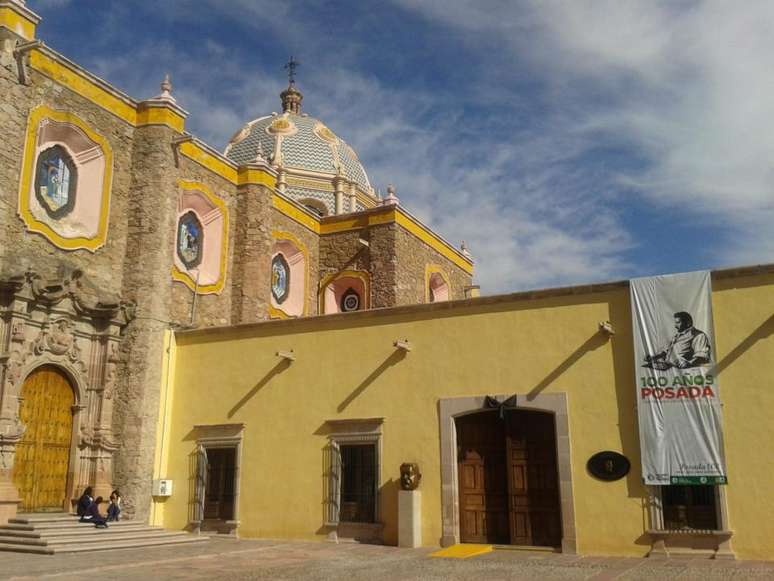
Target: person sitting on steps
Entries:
(84, 501)
(93, 515)
(114, 508)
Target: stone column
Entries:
(352, 198)
(251, 274)
(12, 342)
(338, 186)
(409, 518)
(147, 278)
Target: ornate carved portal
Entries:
(67, 325)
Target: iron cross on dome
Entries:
(291, 67)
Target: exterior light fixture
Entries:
(287, 355)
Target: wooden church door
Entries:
(43, 455)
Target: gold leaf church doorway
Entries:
(43, 455)
(508, 478)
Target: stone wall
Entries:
(21, 250)
(413, 256)
(384, 265)
(211, 309)
(252, 243)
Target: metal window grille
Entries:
(689, 508)
(358, 483)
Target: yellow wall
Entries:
(345, 368)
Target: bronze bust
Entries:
(410, 476)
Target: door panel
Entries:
(43, 455)
(533, 479)
(482, 479)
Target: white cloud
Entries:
(688, 86)
(684, 89)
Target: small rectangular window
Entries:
(358, 483)
(689, 507)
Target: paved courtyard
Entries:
(277, 560)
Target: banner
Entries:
(678, 396)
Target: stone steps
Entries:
(47, 534)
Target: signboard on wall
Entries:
(678, 396)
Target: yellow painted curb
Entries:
(463, 551)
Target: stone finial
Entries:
(259, 154)
(391, 199)
(464, 249)
(166, 90)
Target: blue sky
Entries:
(565, 142)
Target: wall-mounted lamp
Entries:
(606, 327)
(287, 355)
(403, 345)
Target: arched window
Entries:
(201, 239)
(437, 287)
(56, 181)
(288, 277)
(345, 292)
(66, 178)
(316, 206)
(190, 240)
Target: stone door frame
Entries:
(452, 408)
(51, 322)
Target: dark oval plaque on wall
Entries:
(608, 465)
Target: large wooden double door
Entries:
(508, 479)
(43, 455)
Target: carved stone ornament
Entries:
(59, 339)
(410, 476)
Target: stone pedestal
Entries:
(9, 499)
(409, 518)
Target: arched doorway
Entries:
(43, 455)
(508, 478)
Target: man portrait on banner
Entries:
(689, 347)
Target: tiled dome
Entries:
(299, 142)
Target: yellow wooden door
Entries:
(43, 455)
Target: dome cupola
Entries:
(315, 167)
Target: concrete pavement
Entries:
(227, 559)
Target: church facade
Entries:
(117, 225)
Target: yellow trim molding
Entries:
(19, 20)
(326, 282)
(161, 116)
(185, 277)
(280, 236)
(442, 247)
(287, 208)
(27, 175)
(197, 153)
(77, 82)
(431, 269)
(252, 175)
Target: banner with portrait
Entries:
(678, 396)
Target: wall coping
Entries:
(451, 308)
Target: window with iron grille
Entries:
(358, 483)
(689, 507)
